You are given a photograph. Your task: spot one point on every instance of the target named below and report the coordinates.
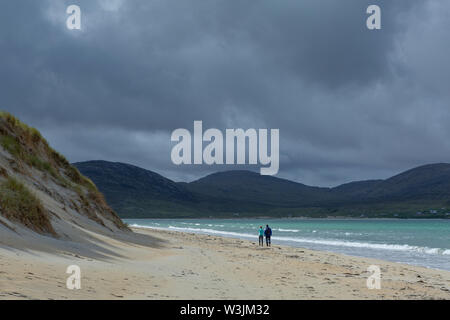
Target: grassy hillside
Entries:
(28, 147)
(266, 190)
(17, 203)
(135, 192)
(428, 183)
(26, 156)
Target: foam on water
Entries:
(418, 242)
(287, 230)
(337, 243)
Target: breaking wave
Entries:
(335, 243)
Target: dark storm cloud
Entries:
(350, 103)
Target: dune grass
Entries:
(17, 203)
(29, 146)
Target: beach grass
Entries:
(17, 203)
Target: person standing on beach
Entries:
(261, 236)
(268, 234)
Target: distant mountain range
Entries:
(138, 193)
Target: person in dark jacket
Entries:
(268, 234)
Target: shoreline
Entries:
(291, 218)
(247, 237)
(196, 266)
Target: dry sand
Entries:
(192, 266)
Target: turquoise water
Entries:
(417, 242)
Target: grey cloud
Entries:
(350, 103)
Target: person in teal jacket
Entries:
(261, 236)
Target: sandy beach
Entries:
(173, 265)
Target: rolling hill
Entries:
(133, 191)
(139, 193)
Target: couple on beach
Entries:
(267, 233)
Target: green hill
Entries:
(42, 191)
(136, 192)
(139, 193)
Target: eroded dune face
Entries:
(42, 194)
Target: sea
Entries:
(420, 242)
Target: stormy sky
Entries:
(350, 103)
